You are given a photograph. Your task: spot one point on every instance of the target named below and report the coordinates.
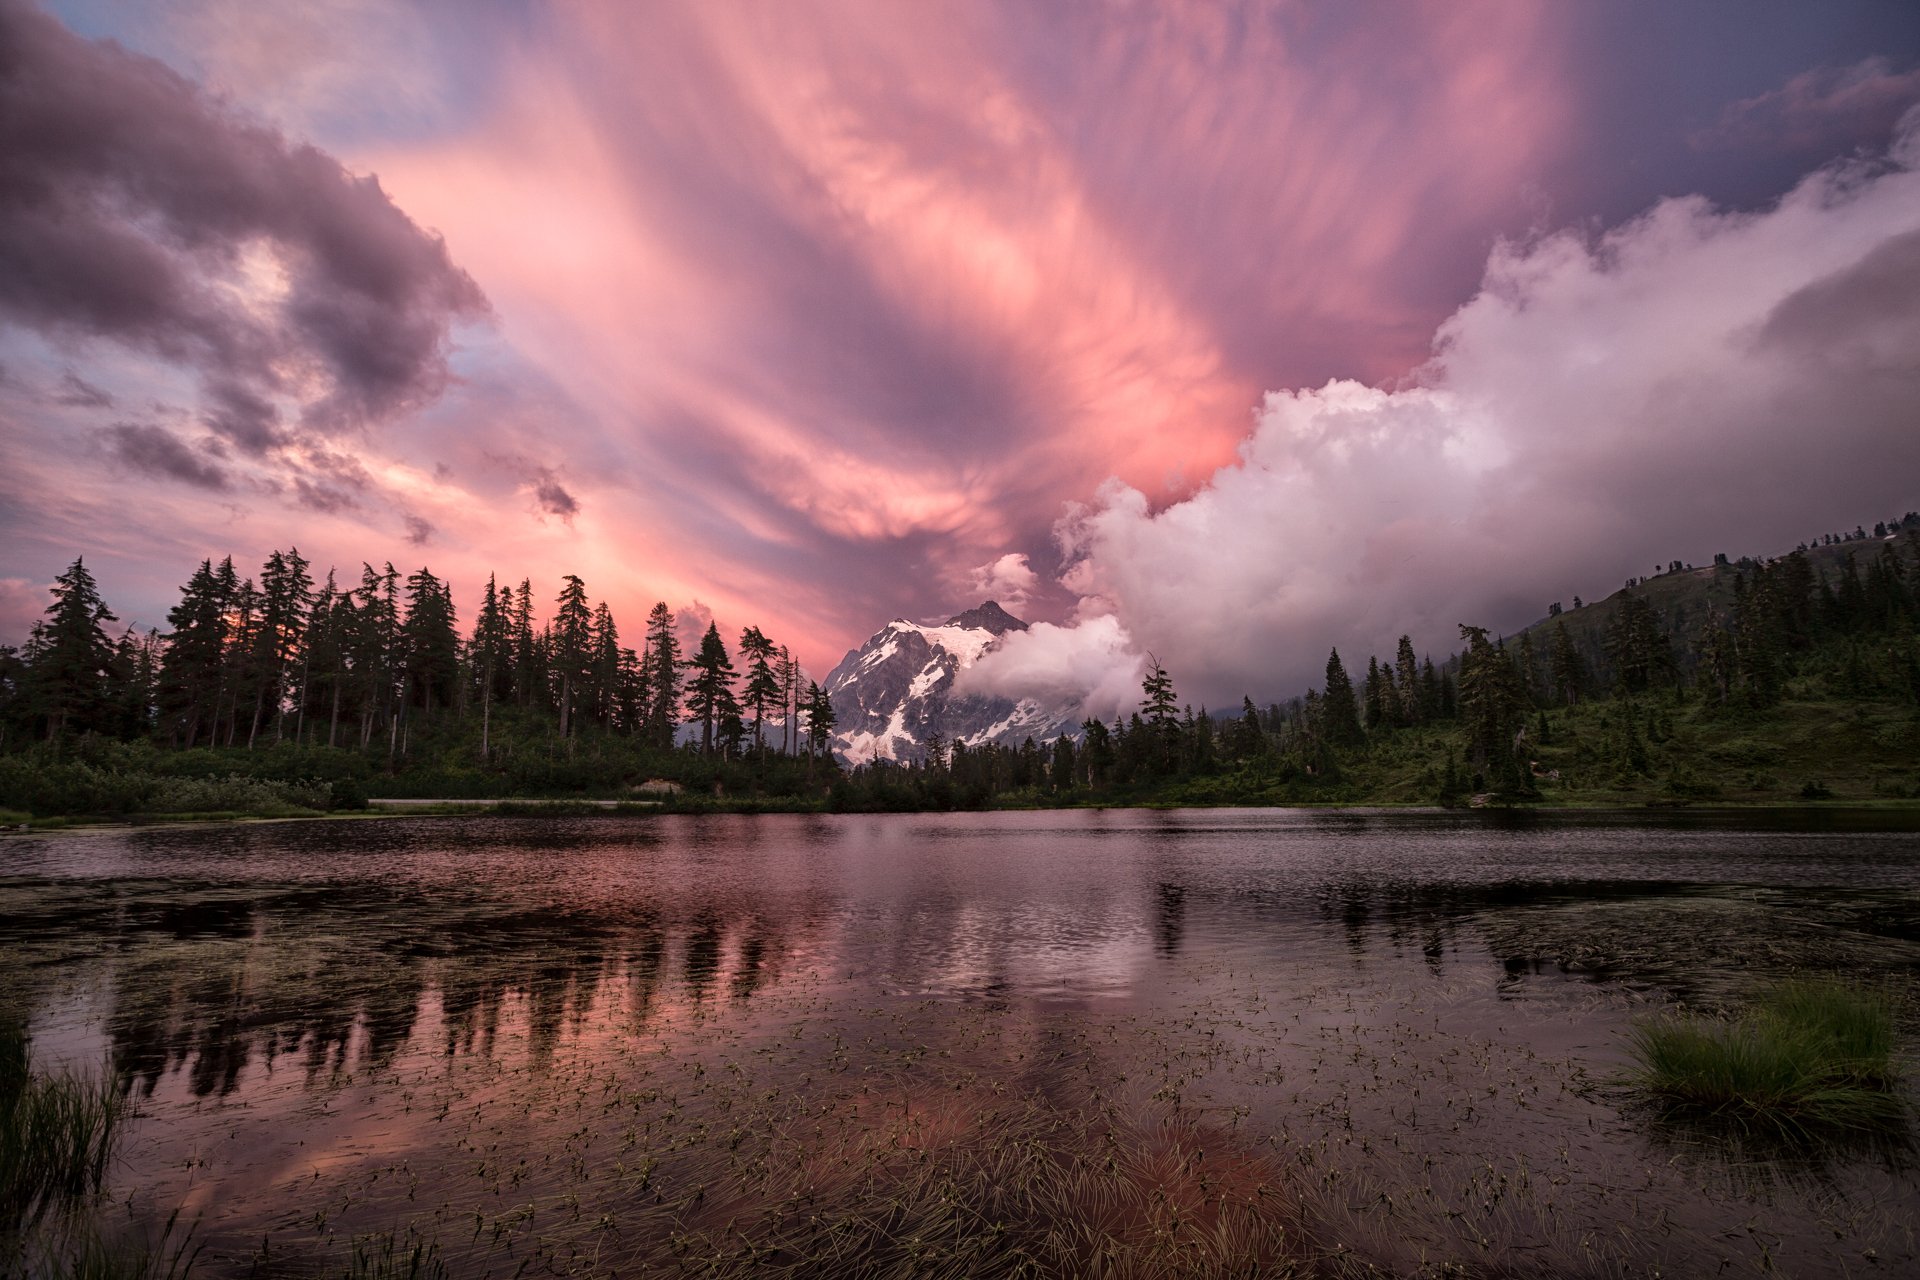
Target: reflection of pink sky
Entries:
(1109, 265)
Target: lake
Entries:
(1131, 1041)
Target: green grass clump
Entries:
(1810, 1054)
(56, 1134)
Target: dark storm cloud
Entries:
(1854, 313)
(155, 451)
(321, 496)
(1826, 109)
(135, 208)
(419, 531)
(553, 497)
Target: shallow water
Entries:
(600, 1044)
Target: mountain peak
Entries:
(989, 616)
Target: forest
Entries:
(1783, 680)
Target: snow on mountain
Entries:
(892, 694)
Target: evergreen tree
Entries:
(1162, 718)
(190, 673)
(429, 646)
(608, 662)
(1339, 710)
(820, 723)
(286, 596)
(572, 648)
(763, 680)
(1569, 672)
(1376, 694)
(1493, 710)
(1060, 772)
(710, 697)
(72, 668)
(529, 662)
(373, 653)
(663, 667)
(1096, 754)
(1413, 708)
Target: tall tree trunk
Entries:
(486, 716)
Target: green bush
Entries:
(1811, 1053)
(46, 787)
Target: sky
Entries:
(1226, 333)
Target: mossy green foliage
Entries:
(1809, 1054)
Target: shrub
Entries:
(1811, 1053)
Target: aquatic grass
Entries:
(78, 1250)
(1811, 1054)
(56, 1132)
(57, 1138)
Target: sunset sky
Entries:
(1226, 331)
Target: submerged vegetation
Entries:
(1810, 1054)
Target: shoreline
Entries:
(528, 807)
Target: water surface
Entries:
(605, 1043)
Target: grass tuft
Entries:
(56, 1133)
(1810, 1054)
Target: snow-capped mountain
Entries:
(893, 693)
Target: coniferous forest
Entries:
(1784, 680)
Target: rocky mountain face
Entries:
(894, 693)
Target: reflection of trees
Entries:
(212, 978)
(1169, 917)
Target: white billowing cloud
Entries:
(1094, 661)
(1009, 580)
(1693, 381)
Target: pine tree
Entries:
(1376, 696)
(605, 668)
(820, 723)
(72, 668)
(663, 669)
(1339, 710)
(1493, 708)
(429, 645)
(286, 596)
(374, 652)
(763, 680)
(572, 649)
(1061, 767)
(710, 697)
(529, 662)
(1407, 680)
(190, 673)
(1162, 718)
(1569, 672)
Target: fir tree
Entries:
(663, 667)
(1339, 711)
(72, 659)
(710, 698)
(572, 647)
(763, 680)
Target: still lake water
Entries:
(609, 1045)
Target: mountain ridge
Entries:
(892, 697)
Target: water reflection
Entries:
(291, 945)
(351, 998)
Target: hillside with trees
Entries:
(1779, 681)
(285, 694)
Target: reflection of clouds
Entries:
(1032, 950)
